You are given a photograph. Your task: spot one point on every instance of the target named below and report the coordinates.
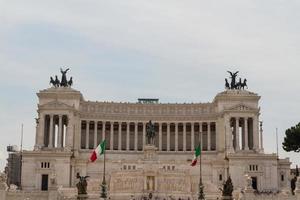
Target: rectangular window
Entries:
(220, 177)
(282, 177)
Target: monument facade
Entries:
(228, 130)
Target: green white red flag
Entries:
(98, 151)
(196, 154)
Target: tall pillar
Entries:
(208, 137)
(120, 136)
(192, 136)
(95, 133)
(50, 145)
(176, 136)
(237, 134)
(184, 136)
(144, 134)
(136, 136)
(103, 130)
(87, 135)
(246, 133)
(127, 136)
(201, 135)
(59, 137)
(160, 136)
(40, 132)
(228, 135)
(111, 135)
(168, 136)
(255, 133)
(261, 136)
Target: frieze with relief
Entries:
(147, 110)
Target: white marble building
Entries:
(69, 127)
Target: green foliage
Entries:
(292, 139)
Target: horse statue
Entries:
(239, 84)
(70, 82)
(52, 81)
(244, 84)
(226, 84)
(150, 133)
(82, 184)
(57, 82)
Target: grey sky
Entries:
(178, 51)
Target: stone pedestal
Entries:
(82, 196)
(150, 152)
(227, 198)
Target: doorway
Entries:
(44, 182)
(254, 182)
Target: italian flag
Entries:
(197, 153)
(98, 151)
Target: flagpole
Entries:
(201, 195)
(103, 193)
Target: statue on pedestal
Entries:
(150, 133)
(82, 184)
(227, 189)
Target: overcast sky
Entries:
(174, 50)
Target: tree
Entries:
(292, 139)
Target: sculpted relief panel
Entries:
(173, 184)
(123, 183)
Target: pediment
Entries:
(241, 107)
(56, 105)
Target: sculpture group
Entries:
(64, 82)
(234, 84)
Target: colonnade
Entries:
(245, 134)
(130, 136)
(55, 130)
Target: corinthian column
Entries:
(160, 136)
(111, 135)
(95, 133)
(136, 136)
(184, 136)
(50, 145)
(208, 137)
(237, 134)
(192, 136)
(87, 135)
(168, 136)
(120, 137)
(103, 130)
(59, 139)
(127, 136)
(176, 136)
(144, 134)
(246, 133)
(40, 132)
